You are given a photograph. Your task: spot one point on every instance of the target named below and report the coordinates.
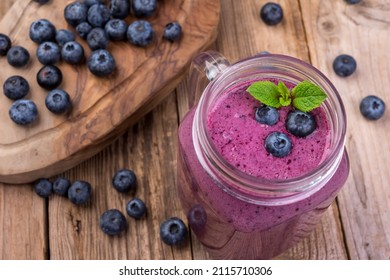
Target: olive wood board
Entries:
(102, 107)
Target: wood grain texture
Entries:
(102, 107)
(333, 28)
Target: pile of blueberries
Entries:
(371, 107)
(94, 21)
(113, 222)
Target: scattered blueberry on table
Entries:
(119, 8)
(5, 44)
(116, 29)
(83, 29)
(101, 63)
(271, 13)
(18, 56)
(372, 107)
(173, 231)
(41, 1)
(98, 15)
(144, 8)
(49, 77)
(58, 101)
(23, 112)
(43, 187)
(124, 180)
(42, 30)
(97, 39)
(140, 33)
(79, 192)
(61, 186)
(344, 65)
(172, 31)
(89, 3)
(113, 222)
(136, 208)
(75, 13)
(48, 53)
(353, 1)
(63, 36)
(72, 52)
(16, 87)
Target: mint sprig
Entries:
(305, 96)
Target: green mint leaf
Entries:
(285, 95)
(266, 92)
(307, 96)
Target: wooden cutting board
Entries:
(102, 107)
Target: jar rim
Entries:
(245, 185)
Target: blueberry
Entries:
(42, 30)
(144, 8)
(124, 180)
(61, 186)
(344, 65)
(119, 8)
(97, 39)
(58, 101)
(83, 29)
(172, 31)
(49, 77)
(72, 52)
(75, 13)
(372, 107)
(101, 63)
(79, 192)
(352, 1)
(136, 208)
(278, 144)
(63, 36)
(5, 44)
(16, 87)
(197, 217)
(23, 112)
(263, 53)
(116, 29)
(43, 187)
(98, 15)
(48, 53)
(140, 33)
(300, 124)
(18, 56)
(89, 3)
(173, 231)
(41, 1)
(267, 115)
(113, 222)
(271, 13)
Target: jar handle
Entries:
(205, 67)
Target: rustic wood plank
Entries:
(242, 34)
(22, 231)
(149, 148)
(333, 28)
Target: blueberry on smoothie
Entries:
(48, 53)
(16, 87)
(344, 65)
(173, 231)
(372, 107)
(5, 44)
(18, 56)
(267, 115)
(271, 13)
(42, 30)
(300, 124)
(278, 144)
(140, 33)
(112, 222)
(23, 112)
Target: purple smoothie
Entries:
(233, 228)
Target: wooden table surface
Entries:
(356, 226)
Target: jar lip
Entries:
(253, 183)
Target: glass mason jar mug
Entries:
(236, 215)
